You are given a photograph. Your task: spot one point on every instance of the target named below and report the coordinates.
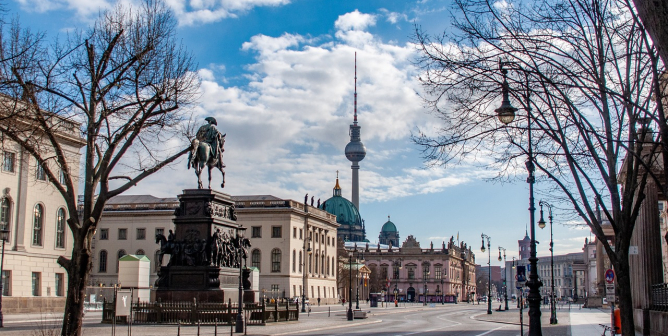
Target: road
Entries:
(326, 320)
(410, 320)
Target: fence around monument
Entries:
(660, 297)
(188, 312)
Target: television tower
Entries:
(355, 150)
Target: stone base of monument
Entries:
(250, 296)
(204, 283)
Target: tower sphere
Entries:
(355, 151)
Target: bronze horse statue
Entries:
(166, 246)
(200, 153)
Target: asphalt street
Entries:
(326, 320)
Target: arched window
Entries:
(60, 228)
(294, 260)
(140, 252)
(5, 214)
(256, 257)
(275, 260)
(300, 261)
(38, 220)
(120, 255)
(103, 262)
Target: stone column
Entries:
(645, 267)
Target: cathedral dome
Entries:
(345, 211)
(389, 227)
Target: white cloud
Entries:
(355, 21)
(188, 12)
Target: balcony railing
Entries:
(660, 297)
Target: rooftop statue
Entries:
(207, 149)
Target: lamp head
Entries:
(506, 112)
(482, 248)
(541, 221)
(4, 235)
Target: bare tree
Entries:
(119, 87)
(582, 73)
(654, 15)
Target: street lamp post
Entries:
(4, 236)
(357, 284)
(425, 276)
(464, 273)
(350, 287)
(541, 224)
(489, 269)
(442, 293)
(505, 275)
(506, 114)
(239, 324)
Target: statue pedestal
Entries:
(203, 262)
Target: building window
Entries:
(5, 214)
(425, 271)
(322, 264)
(383, 273)
(40, 174)
(6, 282)
(300, 261)
(276, 260)
(38, 220)
(256, 232)
(120, 255)
(102, 268)
(36, 284)
(316, 262)
(141, 233)
(8, 162)
(411, 273)
(310, 263)
(294, 260)
(294, 232)
(395, 272)
(60, 280)
(256, 257)
(301, 233)
(104, 234)
(327, 265)
(122, 234)
(274, 290)
(276, 232)
(140, 252)
(333, 265)
(60, 228)
(61, 177)
(159, 231)
(438, 272)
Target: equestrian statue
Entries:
(207, 150)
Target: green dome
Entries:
(345, 211)
(389, 227)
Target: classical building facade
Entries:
(415, 274)
(569, 277)
(35, 214)
(292, 244)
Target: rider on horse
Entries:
(207, 150)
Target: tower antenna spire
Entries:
(355, 120)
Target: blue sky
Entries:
(278, 77)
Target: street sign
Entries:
(609, 276)
(123, 302)
(633, 250)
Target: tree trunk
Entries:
(625, 302)
(77, 277)
(654, 15)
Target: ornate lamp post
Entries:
(442, 293)
(350, 287)
(489, 273)
(357, 277)
(4, 236)
(425, 277)
(505, 276)
(541, 224)
(506, 114)
(239, 324)
(464, 273)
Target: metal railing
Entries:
(660, 297)
(203, 313)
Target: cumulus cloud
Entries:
(355, 21)
(188, 12)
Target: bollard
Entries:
(329, 311)
(197, 327)
(178, 330)
(215, 327)
(231, 328)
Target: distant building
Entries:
(525, 246)
(569, 277)
(289, 241)
(35, 214)
(389, 235)
(351, 223)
